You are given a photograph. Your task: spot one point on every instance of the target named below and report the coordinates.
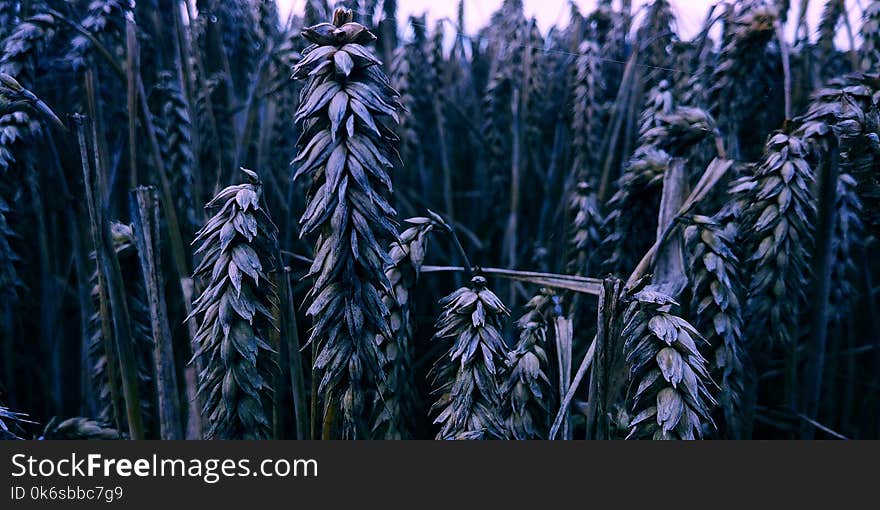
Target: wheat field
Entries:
(216, 223)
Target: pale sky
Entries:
(689, 13)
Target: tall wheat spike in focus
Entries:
(467, 378)
(669, 393)
(238, 246)
(345, 154)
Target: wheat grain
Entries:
(238, 246)
(345, 153)
(585, 120)
(669, 389)
(777, 233)
(176, 140)
(467, 378)
(733, 97)
(528, 395)
(395, 403)
(716, 311)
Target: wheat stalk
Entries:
(141, 333)
(467, 378)
(669, 391)
(238, 246)
(345, 154)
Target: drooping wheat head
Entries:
(628, 235)
(846, 114)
